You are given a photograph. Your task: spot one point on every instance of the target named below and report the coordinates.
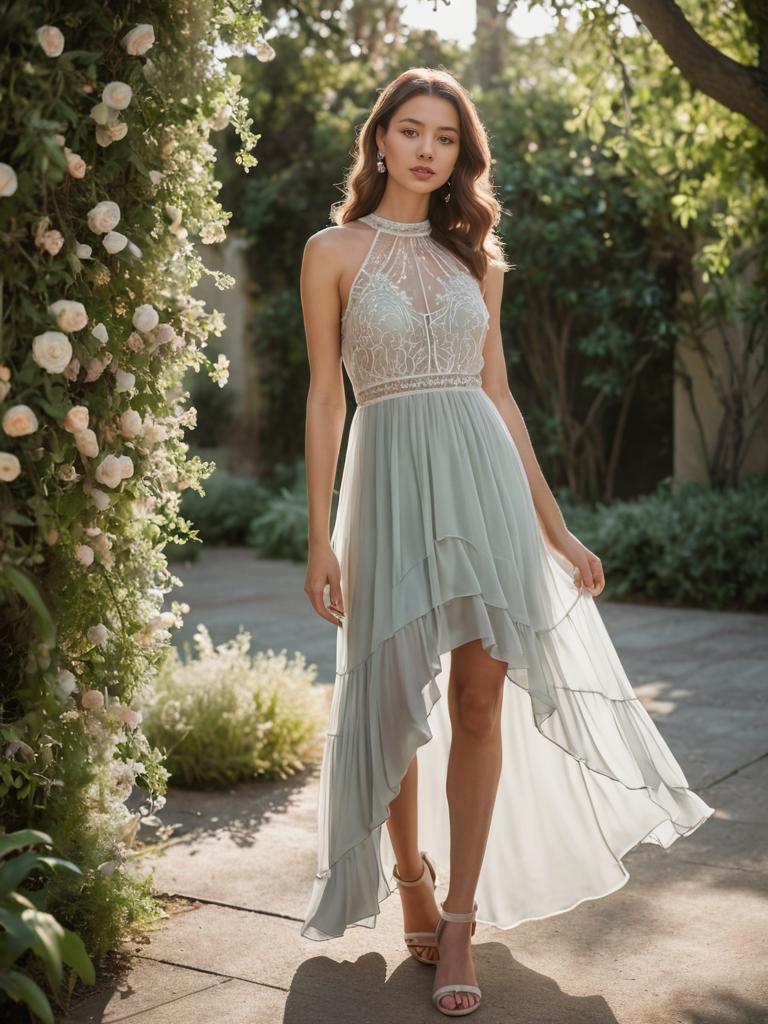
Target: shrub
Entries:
(225, 717)
(699, 546)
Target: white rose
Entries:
(69, 315)
(134, 250)
(103, 217)
(100, 333)
(76, 419)
(83, 252)
(130, 423)
(263, 51)
(139, 40)
(109, 471)
(87, 443)
(8, 180)
(165, 333)
(52, 241)
(68, 473)
(145, 318)
(98, 634)
(100, 113)
(52, 350)
(126, 466)
(124, 381)
(103, 137)
(221, 120)
(10, 467)
(19, 420)
(128, 716)
(51, 39)
(84, 554)
(73, 369)
(99, 498)
(75, 164)
(135, 342)
(67, 684)
(117, 95)
(156, 177)
(117, 131)
(95, 368)
(92, 700)
(114, 242)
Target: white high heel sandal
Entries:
(414, 940)
(444, 990)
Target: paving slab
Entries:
(684, 941)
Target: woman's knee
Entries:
(477, 707)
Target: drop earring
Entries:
(447, 196)
(380, 166)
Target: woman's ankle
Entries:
(410, 870)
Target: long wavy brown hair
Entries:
(466, 223)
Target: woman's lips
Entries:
(422, 174)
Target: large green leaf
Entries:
(23, 989)
(14, 871)
(25, 837)
(74, 954)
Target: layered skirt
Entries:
(439, 543)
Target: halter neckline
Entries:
(398, 227)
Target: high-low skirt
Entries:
(439, 543)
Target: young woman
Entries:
(449, 571)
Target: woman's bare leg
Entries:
(420, 913)
(475, 693)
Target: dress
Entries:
(439, 542)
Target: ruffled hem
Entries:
(584, 724)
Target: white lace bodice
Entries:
(415, 319)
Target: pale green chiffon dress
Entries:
(439, 543)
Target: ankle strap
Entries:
(415, 881)
(447, 915)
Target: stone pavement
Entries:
(685, 941)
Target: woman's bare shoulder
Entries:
(334, 243)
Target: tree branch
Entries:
(736, 86)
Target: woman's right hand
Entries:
(323, 570)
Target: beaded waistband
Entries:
(409, 385)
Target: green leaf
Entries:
(16, 518)
(74, 954)
(26, 586)
(25, 837)
(22, 989)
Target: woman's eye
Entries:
(445, 138)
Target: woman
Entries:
(449, 570)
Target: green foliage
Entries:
(225, 716)
(82, 570)
(28, 930)
(223, 514)
(697, 547)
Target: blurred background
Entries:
(634, 322)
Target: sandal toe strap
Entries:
(445, 990)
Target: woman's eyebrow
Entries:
(444, 128)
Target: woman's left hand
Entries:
(588, 569)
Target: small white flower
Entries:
(92, 700)
(124, 381)
(104, 217)
(70, 316)
(76, 419)
(67, 684)
(19, 420)
(221, 120)
(98, 634)
(130, 424)
(156, 177)
(134, 250)
(51, 242)
(52, 350)
(145, 318)
(138, 40)
(109, 471)
(10, 467)
(87, 443)
(114, 242)
(117, 95)
(51, 39)
(76, 166)
(84, 554)
(83, 252)
(100, 113)
(99, 498)
(117, 131)
(8, 180)
(126, 466)
(100, 333)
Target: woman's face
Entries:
(423, 133)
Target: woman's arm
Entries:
(496, 386)
(326, 412)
